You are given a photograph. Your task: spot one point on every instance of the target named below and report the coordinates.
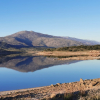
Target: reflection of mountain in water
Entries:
(29, 64)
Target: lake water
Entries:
(27, 72)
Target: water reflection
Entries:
(30, 63)
(20, 72)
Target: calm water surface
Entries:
(13, 75)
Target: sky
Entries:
(73, 18)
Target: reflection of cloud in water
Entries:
(31, 63)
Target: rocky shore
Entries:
(51, 91)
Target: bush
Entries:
(75, 48)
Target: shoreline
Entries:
(39, 93)
(69, 53)
(66, 55)
(52, 90)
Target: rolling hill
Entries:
(35, 39)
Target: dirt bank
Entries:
(50, 91)
(66, 55)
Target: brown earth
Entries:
(66, 55)
(51, 91)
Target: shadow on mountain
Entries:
(27, 62)
(26, 41)
(30, 63)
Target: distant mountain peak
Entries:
(36, 39)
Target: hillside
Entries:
(34, 39)
(88, 42)
(4, 45)
(8, 52)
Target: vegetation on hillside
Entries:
(4, 45)
(75, 48)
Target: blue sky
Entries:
(74, 18)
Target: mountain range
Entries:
(35, 39)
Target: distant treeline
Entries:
(75, 48)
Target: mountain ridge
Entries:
(84, 40)
(35, 39)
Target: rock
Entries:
(53, 95)
(94, 83)
(58, 84)
(52, 85)
(81, 80)
(90, 85)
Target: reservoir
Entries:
(21, 72)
